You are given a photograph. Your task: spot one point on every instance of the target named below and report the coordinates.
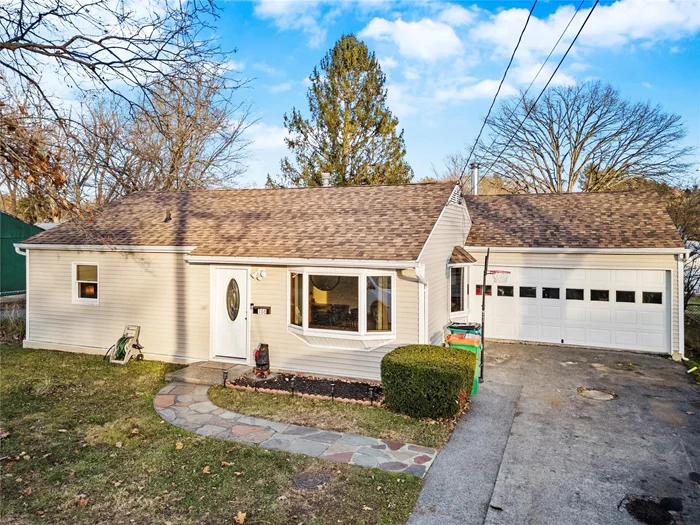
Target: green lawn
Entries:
(85, 446)
(330, 415)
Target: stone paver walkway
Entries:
(187, 406)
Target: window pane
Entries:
(379, 304)
(550, 293)
(333, 302)
(86, 273)
(528, 291)
(488, 289)
(652, 297)
(505, 291)
(87, 290)
(624, 297)
(600, 295)
(574, 294)
(295, 299)
(456, 287)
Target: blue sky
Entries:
(443, 61)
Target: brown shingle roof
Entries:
(461, 256)
(623, 219)
(352, 222)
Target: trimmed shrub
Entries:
(427, 381)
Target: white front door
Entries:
(229, 312)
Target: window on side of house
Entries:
(85, 283)
(550, 293)
(600, 295)
(334, 302)
(488, 289)
(504, 291)
(528, 291)
(456, 289)
(355, 302)
(652, 297)
(574, 294)
(379, 303)
(296, 298)
(622, 296)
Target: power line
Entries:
(546, 59)
(532, 106)
(493, 102)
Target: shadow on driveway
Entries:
(531, 450)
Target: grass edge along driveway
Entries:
(86, 446)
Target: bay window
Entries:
(350, 302)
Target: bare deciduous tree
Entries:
(583, 137)
(455, 167)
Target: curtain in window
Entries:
(379, 304)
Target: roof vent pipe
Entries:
(325, 179)
(475, 178)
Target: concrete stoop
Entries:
(207, 373)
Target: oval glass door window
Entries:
(233, 299)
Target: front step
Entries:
(207, 373)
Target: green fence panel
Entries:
(12, 265)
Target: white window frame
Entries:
(465, 296)
(361, 274)
(75, 283)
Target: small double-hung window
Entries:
(85, 283)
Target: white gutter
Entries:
(18, 250)
(106, 248)
(681, 303)
(280, 261)
(620, 251)
(422, 305)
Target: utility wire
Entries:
(493, 102)
(532, 106)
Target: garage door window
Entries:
(550, 293)
(528, 291)
(652, 297)
(600, 295)
(505, 291)
(574, 294)
(622, 296)
(488, 289)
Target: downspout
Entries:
(681, 305)
(422, 304)
(19, 251)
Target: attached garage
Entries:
(623, 309)
(596, 270)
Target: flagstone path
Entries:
(187, 406)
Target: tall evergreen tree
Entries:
(351, 133)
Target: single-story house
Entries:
(332, 278)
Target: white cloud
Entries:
(388, 63)
(426, 39)
(303, 15)
(482, 89)
(279, 88)
(266, 68)
(647, 85)
(266, 136)
(456, 15)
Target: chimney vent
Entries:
(475, 178)
(325, 179)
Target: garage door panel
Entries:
(628, 317)
(622, 325)
(550, 312)
(598, 316)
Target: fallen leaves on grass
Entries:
(178, 446)
(240, 517)
(365, 507)
(239, 474)
(225, 464)
(81, 500)
(118, 444)
(27, 492)
(206, 470)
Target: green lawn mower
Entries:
(122, 350)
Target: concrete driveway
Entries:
(531, 450)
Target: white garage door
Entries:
(625, 309)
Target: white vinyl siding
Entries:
(162, 293)
(629, 264)
(449, 231)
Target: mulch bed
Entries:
(313, 387)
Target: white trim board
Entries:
(280, 261)
(618, 251)
(106, 248)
